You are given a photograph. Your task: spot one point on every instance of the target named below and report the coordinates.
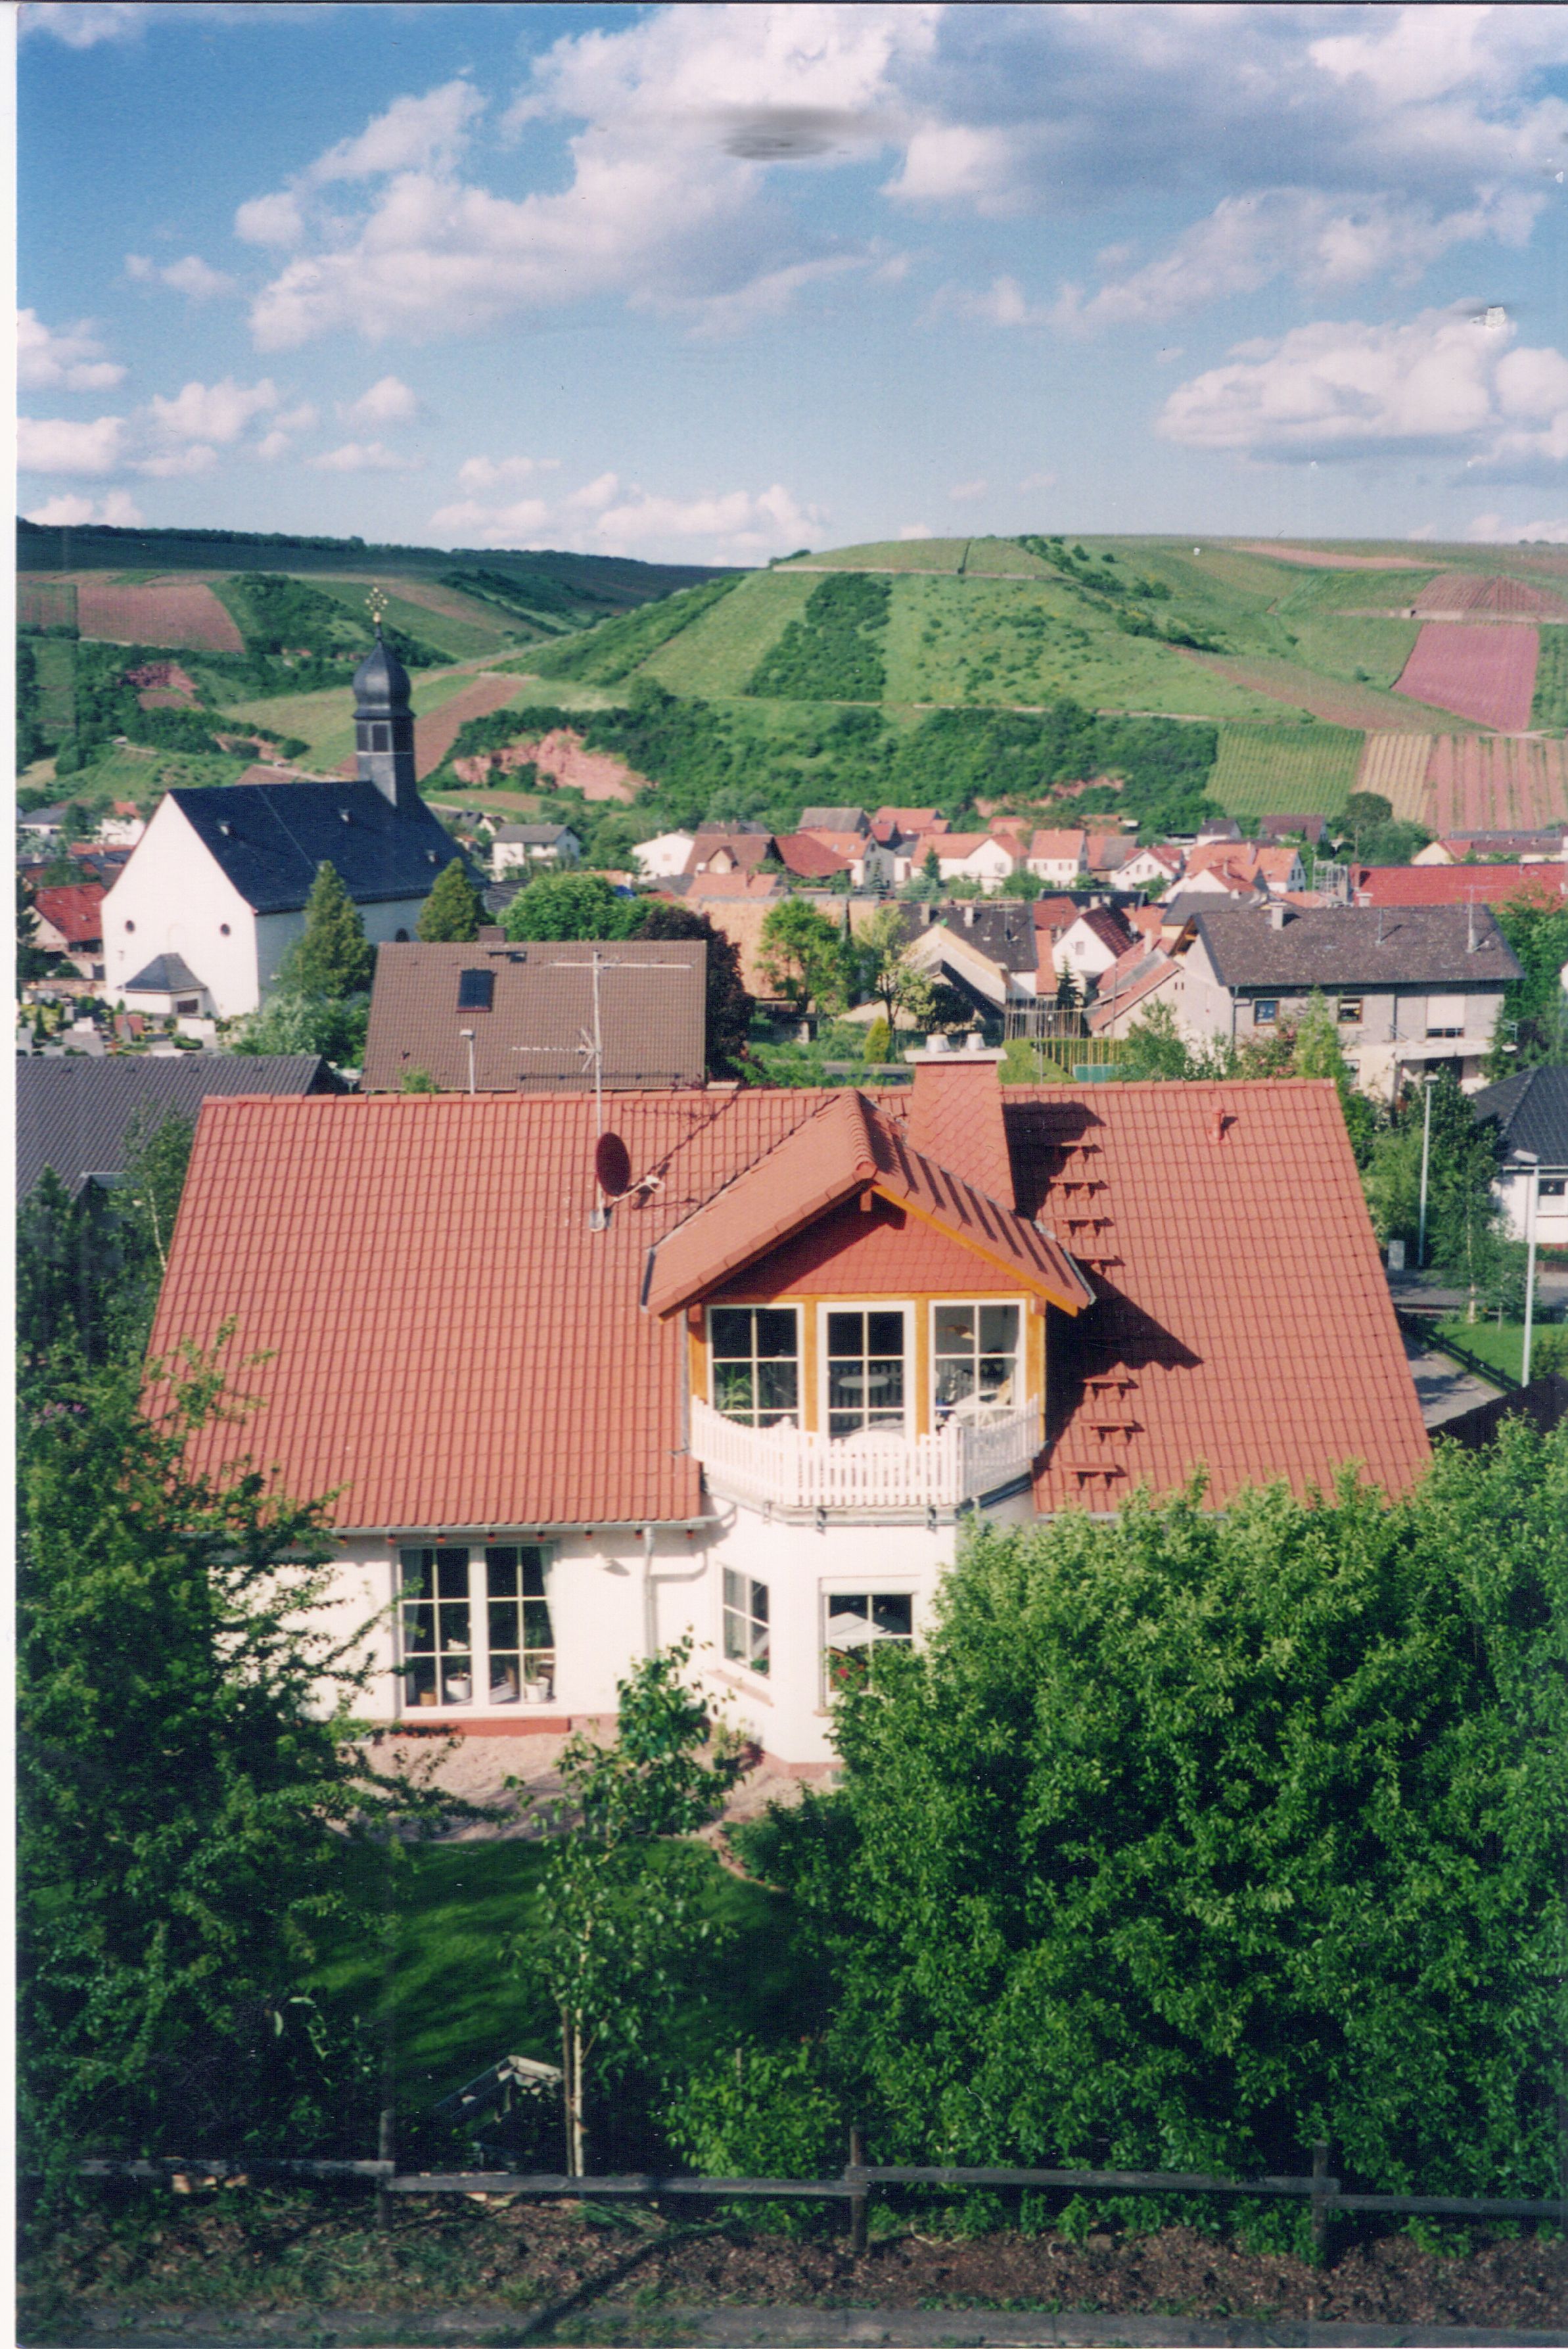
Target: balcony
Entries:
(870, 1475)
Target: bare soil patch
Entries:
(160, 612)
(241, 2251)
(562, 755)
(433, 735)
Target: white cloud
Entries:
(1490, 529)
(52, 445)
(494, 525)
(606, 516)
(70, 360)
(387, 402)
(1002, 304)
(494, 474)
(276, 220)
(917, 530)
(363, 457)
(192, 276)
(218, 411)
(962, 492)
(286, 426)
(1320, 240)
(66, 511)
(683, 114)
(1345, 388)
(174, 464)
(83, 24)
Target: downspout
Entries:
(651, 1581)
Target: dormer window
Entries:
(756, 1360)
(476, 990)
(974, 1359)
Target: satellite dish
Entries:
(612, 1166)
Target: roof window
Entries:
(476, 989)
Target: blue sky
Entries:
(711, 283)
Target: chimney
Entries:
(955, 1116)
(1279, 915)
(969, 915)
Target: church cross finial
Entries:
(377, 603)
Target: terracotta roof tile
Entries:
(1459, 884)
(75, 908)
(955, 1117)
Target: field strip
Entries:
(1397, 765)
(433, 735)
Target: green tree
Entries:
(1463, 1220)
(32, 961)
(624, 1911)
(884, 948)
(802, 956)
(1532, 1025)
(1318, 1053)
(332, 959)
(1191, 1839)
(188, 1773)
(728, 1007)
(1156, 1047)
(453, 907)
(568, 905)
(68, 1262)
(308, 1023)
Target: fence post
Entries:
(387, 2128)
(1319, 2202)
(857, 2201)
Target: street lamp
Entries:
(1425, 1164)
(468, 1036)
(1528, 1159)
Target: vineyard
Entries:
(1550, 708)
(1485, 673)
(1396, 766)
(160, 612)
(1455, 591)
(46, 604)
(1285, 769)
(1333, 701)
(1476, 784)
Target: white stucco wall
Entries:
(609, 1606)
(174, 898)
(1551, 1213)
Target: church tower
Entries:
(383, 727)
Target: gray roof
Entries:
(74, 1115)
(1002, 931)
(167, 974)
(834, 819)
(270, 840)
(1531, 1108)
(541, 1008)
(535, 836)
(1357, 945)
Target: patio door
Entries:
(865, 1355)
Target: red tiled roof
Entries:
(76, 909)
(849, 846)
(446, 1341)
(849, 1147)
(1200, 1350)
(1065, 846)
(955, 1117)
(1459, 884)
(1056, 913)
(1107, 925)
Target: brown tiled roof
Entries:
(75, 908)
(1351, 945)
(1458, 884)
(1198, 1352)
(802, 853)
(446, 1341)
(540, 1009)
(746, 850)
(849, 1147)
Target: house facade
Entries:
(1532, 1112)
(1416, 988)
(756, 1395)
(217, 882)
(520, 846)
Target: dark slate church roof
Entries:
(270, 838)
(169, 974)
(380, 682)
(75, 1114)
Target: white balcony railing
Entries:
(876, 1472)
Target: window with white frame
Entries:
(474, 1628)
(864, 1351)
(859, 1622)
(746, 1635)
(754, 1351)
(974, 1367)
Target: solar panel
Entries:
(476, 990)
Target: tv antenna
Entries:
(607, 1162)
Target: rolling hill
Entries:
(1270, 678)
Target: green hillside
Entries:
(1285, 769)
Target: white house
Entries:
(1531, 1109)
(662, 858)
(960, 856)
(1089, 946)
(219, 879)
(1060, 857)
(519, 846)
(758, 1399)
(1152, 868)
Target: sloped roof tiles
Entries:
(270, 841)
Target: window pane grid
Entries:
(441, 1610)
(857, 1622)
(974, 1358)
(756, 1355)
(746, 1632)
(865, 1371)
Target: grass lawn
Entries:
(458, 2005)
(720, 652)
(324, 720)
(55, 661)
(1504, 1347)
(444, 632)
(137, 775)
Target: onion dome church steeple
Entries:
(384, 724)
